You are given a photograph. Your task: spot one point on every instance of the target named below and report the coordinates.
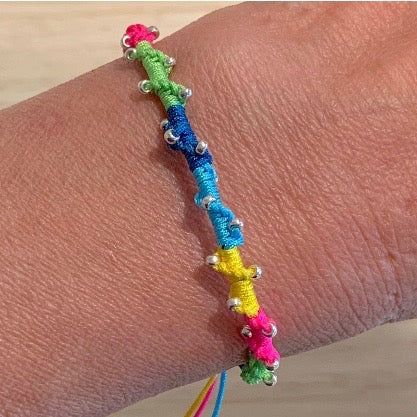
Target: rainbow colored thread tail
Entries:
(258, 329)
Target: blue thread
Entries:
(220, 394)
(219, 214)
(178, 122)
(205, 175)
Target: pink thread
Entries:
(260, 345)
(204, 402)
(137, 33)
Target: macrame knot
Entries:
(240, 279)
(137, 33)
(165, 86)
(259, 343)
(220, 215)
(254, 371)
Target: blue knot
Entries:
(219, 214)
(178, 122)
(205, 175)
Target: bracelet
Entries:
(258, 329)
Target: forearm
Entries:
(105, 296)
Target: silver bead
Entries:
(236, 224)
(154, 30)
(186, 93)
(246, 331)
(232, 303)
(271, 381)
(145, 86)
(123, 41)
(130, 54)
(206, 201)
(273, 331)
(212, 260)
(170, 137)
(273, 366)
(163, 124)
(170, 61)
(201, 147)
(258, 272)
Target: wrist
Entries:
(308, 187)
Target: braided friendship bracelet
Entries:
(262, 358)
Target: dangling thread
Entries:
(220, 394)
(203, 393)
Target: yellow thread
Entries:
(201, 396)
(240, 279)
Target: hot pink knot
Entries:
(258, 336)
(137, 33)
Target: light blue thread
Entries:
(219, 214)
(220, 394)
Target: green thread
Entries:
(255, 371)
(154, 62)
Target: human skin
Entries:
(310, 113)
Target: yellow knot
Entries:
(240, 279)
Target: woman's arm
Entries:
(310, 113)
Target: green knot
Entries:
(166, 86)
(253, 371)
(143, 49)
(154, 62)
